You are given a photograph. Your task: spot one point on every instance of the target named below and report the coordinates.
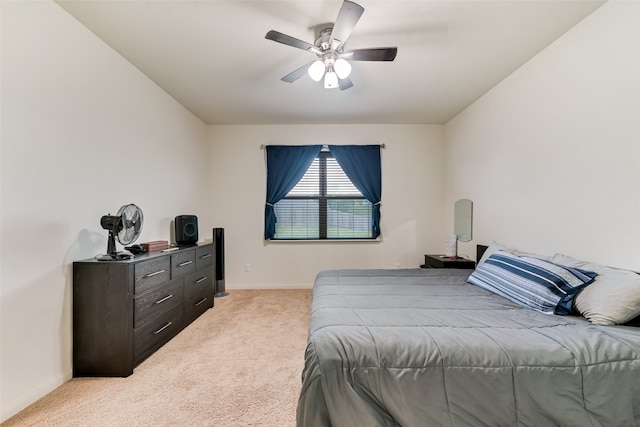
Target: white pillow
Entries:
(612, 298)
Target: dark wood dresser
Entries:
(123, 311)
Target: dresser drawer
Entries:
(149, 274)
(183, 263)
(204, 256)
(156, 332)
(198, 302)
(198, 280)
(157, 301)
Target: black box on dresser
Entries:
(123, 311)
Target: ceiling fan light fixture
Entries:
(330, 79)
(342, 68)
(316, 70)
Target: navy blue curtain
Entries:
(361, 163)
(286, 165)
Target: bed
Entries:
(424, 347)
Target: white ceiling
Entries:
(213, 58)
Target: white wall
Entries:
(411, 221)
(550, 156)
(83, 132)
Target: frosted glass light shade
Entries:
(342, 68)
(316, 70)
(451, 246)
(330, 80)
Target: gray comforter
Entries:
(423, 348)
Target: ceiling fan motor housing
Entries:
(323, 36)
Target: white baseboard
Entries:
(9, 409)
(248, 286)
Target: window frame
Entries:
(323, 201)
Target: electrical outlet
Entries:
(247, 268)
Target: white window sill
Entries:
(377, 240)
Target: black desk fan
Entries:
(126, 226)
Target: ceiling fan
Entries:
(332, 62)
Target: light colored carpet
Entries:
(239, 364)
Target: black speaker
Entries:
(218, 245)
(186, 229)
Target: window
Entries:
(316, 192)
(324, 204)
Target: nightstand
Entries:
(442, 261)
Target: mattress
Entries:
(422, 347)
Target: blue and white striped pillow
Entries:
(531, 282)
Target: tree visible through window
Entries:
(324, 204)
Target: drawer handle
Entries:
(164, 299)
(153, 274)
(200, 280)
(205, 256)
(185, 263)
(163, 328)
(199, 302)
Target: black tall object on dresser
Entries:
(218, 242)
(123, 311)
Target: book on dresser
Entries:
(123, 311)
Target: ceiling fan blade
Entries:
(296, 74)
(279, 37)
(372, 54)
(347, 19)
(345, 84)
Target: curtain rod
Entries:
(383, 146)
